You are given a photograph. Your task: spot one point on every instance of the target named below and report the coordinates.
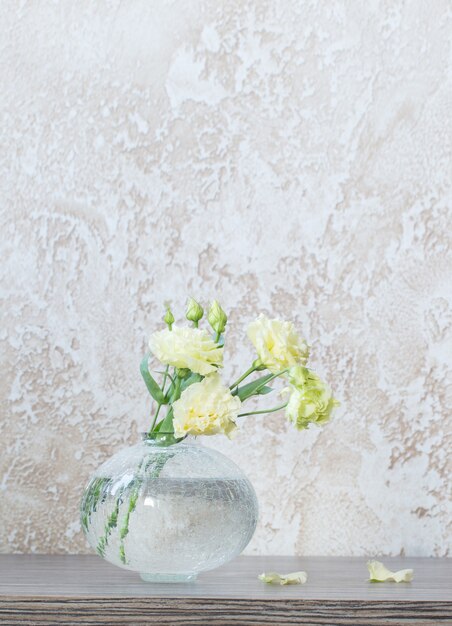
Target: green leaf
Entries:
(151, 384)
(184, 383)
(189, 380)
(166, 425)
(170, 391)
(255, 388)
(95, 493)
(167, 374)
(264, 390)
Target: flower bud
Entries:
(194, 311)
(168, 318)
(217, 317)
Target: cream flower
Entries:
(206, 408)
(311, 400)
(277, 344)
(190, 348)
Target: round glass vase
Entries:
(168, 511)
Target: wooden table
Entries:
(86, 590)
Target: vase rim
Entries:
(146, 435)
(163, 439)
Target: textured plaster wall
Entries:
(290, 157)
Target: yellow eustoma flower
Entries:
(187, 348)
(311, 400)
(277, 344)
(206, 408)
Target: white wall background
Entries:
(287, 157)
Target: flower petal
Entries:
(378, 573)
(273, 578)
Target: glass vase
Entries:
(168, 511)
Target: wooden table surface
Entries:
(36, 589)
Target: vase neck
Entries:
(160, 439)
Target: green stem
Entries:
(276, 408)
(166, 425)
(165, 376)
(112, 522)
(271, 378)
(130, 509)
(159, 406)
(176, 393)
(217, 337)
(245, 375)
(93, 496)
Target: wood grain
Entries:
(86, 590)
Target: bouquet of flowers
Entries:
(170, 511)
(197, 401)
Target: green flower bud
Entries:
(217, 317)
(168, 318)
(194, 311)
